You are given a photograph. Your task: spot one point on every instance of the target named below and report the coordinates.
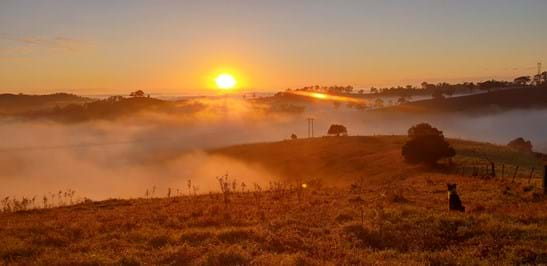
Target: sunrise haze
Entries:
(180, 46)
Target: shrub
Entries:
(337, 130)
(12, 248)
(196, 237)
(159, 241)
(427, 145)
(366, 238)
(521, 144)
(129, 261)
(422, 130)
(236, 235)
(343, 218)
(230, 256)
(185, 255)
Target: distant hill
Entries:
(113, 108)
(68, 108)
(496, 101)
(11, 104)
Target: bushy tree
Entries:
(426, 145)
(379, 103)
(437, 94)
(138, 93)
(521, 144)
(423, 129)
(522, 80)
(337, 130)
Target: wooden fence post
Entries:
(545, 179)
(515, 174)
(531, 174)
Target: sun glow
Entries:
(319, 95)
(225, 81)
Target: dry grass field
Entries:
(362, 205)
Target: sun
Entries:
(225, 81)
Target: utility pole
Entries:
(310, 127)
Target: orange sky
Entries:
(178, 47)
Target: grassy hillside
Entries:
(500, 100)
(327, 158)
(343, 159)
(403, 221)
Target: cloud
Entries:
(14, 48)
(55, 43)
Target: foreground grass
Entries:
(402, 223)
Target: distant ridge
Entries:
(18, 103)
(496, 101)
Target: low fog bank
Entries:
(124, 158)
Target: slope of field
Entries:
(402, 222)
(499, 100)
(343, 159)
(327, 158)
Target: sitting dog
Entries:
(454, 202)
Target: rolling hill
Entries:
(342, 159)
(13, 104)
(495, 101)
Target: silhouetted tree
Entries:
(337, 130)
(522, 80)
(521, 144)
(449, 91)
(540, 78)
(379, 103)
(360, 106)
(492, 84)
(437, 94)
(426, 145)
(423, 129)
(427, 86)
(138, 93)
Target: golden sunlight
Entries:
(225, 81)
(318, 95)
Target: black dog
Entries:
(454, 202)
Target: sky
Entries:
(116, 46)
